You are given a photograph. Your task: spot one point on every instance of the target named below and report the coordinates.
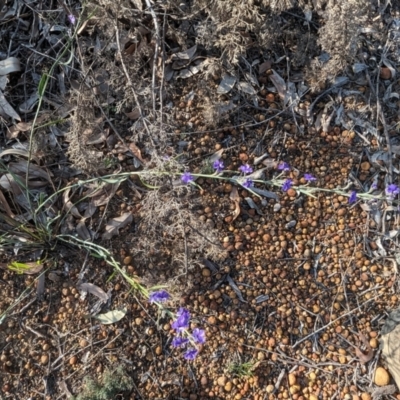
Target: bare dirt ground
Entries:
(104, 105)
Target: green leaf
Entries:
(42, 84)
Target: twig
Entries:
(156, 52)
(331, 323)
(131, 85)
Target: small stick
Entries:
(331, 323)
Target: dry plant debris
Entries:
(137, 142)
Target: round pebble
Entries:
(382, 377)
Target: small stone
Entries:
(385, 73)
(73, 360)
(260, 356)
(291, 192)
(266, 238)
(212, 320)
(238, 245)
(270, 388)
(221, 381)
(365, 166)
(83, 343)
(228, 387)
(44, 359)
(204, 381)
(374, 343)
(158, 350)
(205, 272)
(292, 379)
(365, 396)
(127, 260)
(270, 98)
(382, 377)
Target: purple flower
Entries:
(218, 165)
(159, 296)
(199, 335)
(246, 169)
(179, 342)
(248, 183)
(309, 178)
(353, 197)
(190, 354)
(283, 166)
(287, 185)
(72, 19)
(187, 177)
(374, 186)
(182, 321)
(392, 190)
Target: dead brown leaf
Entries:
(70, 207)
(390, 344)
(95, 290)
(364, 358)
(185, 55)
(136, 152)
(6, 109)
(5, 206)
(216, 156)
(265, 66)
(134, 114)
(234, 196)
(114, 225)
(22, 167)
(101, 196)
(83, 231)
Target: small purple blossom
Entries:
(374, 186)
(353, 197)
(72, 19)
(246, 169)
(218, 165)
(190, 354)
(179, 342)
(287, 185)
(159, 296)
(182, 320)
(248, 183)
(392, 190)
(199, 335)
(187, 178)
(283, 166)
(309, 178)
